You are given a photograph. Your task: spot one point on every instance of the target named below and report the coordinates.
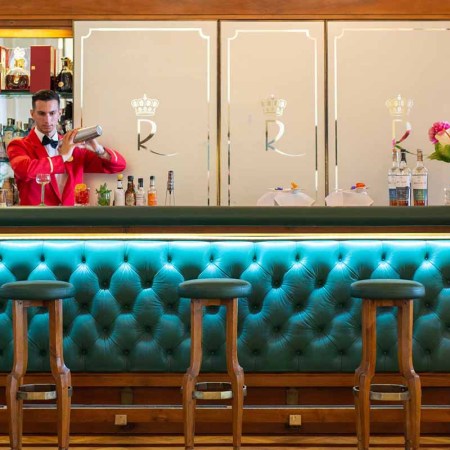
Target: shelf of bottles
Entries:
(27, 65)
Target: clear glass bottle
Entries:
(8, 131)
(140, 193)
(403, 184)
(64, 80)
(17, 78)
(3, 154)
(152, 195)
(419, 182)
(119, 193)
(130, 193)
(170, 191)
(392, 175)
(19, 132)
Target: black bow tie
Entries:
(46, 140)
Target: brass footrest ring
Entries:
(38, 392)
(214, 391)
(386, 392)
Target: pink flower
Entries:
(437, 128)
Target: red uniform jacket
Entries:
(28, 157)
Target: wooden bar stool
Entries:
(381, 293)
(48, 294)
(213, 292)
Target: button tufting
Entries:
(83, 260)
(105, 330)
(148, 329)
(428, 351)
(126, 352)
(254, 259)
(212, 352)
(255, 352)
(43, 352)
(83, 351)
(169, 259)
(298, 352)
(125, 259)
(42, 258)
(105, 284)
(426, 256)
(276, 329)
(169, 352)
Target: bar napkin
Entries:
(347, 197)
(286, 197)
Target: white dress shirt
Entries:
(61, 178)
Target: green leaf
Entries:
(441, 153)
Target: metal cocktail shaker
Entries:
(85, 134)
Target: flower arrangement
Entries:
(439, 135)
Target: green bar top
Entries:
(170, 217)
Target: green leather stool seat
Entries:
(37, 290)
(387, 289)
(215, 288)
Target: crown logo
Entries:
(274, 106)
(145, 106)
(399, 106)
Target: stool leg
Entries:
(190, 377)
(15, 378)
(235, 372)
(60, 372)
(364, 374)
(413, 405)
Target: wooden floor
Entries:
(117, 442)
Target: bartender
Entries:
(44, 151)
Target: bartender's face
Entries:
(46, 115)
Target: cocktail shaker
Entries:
(85, 134)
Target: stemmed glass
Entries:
(42, 179)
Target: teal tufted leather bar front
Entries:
(300, 317)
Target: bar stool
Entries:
(48, 294)
(213, 292)
(382, 293)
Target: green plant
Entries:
(103, 195)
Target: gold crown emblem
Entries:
(145, 106)
(399, 106)
(273, 105)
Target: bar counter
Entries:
(433, 220)
(127, 332)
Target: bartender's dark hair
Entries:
(44, 95)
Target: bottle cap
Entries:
(130, 177)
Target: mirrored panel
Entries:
(272, 109)
(152, 87)
(369, 63)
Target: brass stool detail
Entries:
(382, 293)
(213, 292)
(48, 294)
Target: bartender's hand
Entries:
(66, 147)
(94, 146)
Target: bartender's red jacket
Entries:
(28, 157)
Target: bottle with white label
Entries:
(119, 193)
(419, 182)
(392, 177)
(140, 193)
(403, 184)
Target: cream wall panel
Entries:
(260, 59)
(174, 62)
(370, 62)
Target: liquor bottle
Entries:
(119, 193)
(18, 132)
(420, 182)
(64, 80)
(392, 176)
(8, 131)
(3, 154)
(130, 193)
(170, 191)
(403, 185)
(140, 193)
(17, 78)
(7, 186)
(152, 196)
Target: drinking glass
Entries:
(42, 179)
